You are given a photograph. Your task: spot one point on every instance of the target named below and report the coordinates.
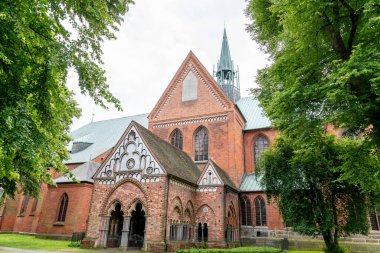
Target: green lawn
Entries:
(31, 242)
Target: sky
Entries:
(151, 44)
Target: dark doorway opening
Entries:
(115, 227)
(137, 227)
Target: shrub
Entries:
(234, 250)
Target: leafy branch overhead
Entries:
(39, 42)
(326, 64)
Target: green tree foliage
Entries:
(326, 64)
(40, 41)
(325, 70)
(305, 179)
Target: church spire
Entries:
(225, 74)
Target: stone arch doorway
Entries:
(137, 227)
(115, 227)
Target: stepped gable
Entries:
(176, 162)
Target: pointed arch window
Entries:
(24, 205)
(261, 144)
(246, 212)
(63, 208)
(260, 210)
(201, 144)
(374, 217)
(34, 207)
(176, 138)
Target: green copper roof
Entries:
(251, 183)
(253, 113)
(102, 135)
(225, 61)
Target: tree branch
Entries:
(46, 37)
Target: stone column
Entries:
(145, 227)
(103, 231)
(203, 236)
(180, 228)
(125, 232)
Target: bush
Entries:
(234, 250)
(336, 249)
(74, 244)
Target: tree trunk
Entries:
(331, 242)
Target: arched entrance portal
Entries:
(115, 227)
(137, 227)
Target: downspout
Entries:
(239, 193)
(239, 207)
(224, 214)
(166, 213)
(244, 151)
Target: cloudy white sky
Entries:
(155, 38)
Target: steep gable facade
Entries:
(208, 107)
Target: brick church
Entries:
(180, 175)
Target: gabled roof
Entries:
(82, 173)
(191, 60)
(253, 113)
(100, 136)
(223, 175)
(251, 183)
(174, 161)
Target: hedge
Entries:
(233, 250)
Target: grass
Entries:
(304, 251)
(31, 242)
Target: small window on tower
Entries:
(190, 87)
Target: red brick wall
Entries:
(8, 217)
(126, 192)
(225, 135)
(77, 210)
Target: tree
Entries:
(305, 180)
(325, 70)
(40, 41)
(326, 64)
(325, 67)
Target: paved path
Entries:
(14, 250)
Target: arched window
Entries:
(34, 207)
(261, 144)
(246, 219)
(201, 144)
(63, 208)
(374, 217)
(202, 232)
(176, 138)
(261, 213)
(24, 205)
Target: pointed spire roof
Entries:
(225, 62)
